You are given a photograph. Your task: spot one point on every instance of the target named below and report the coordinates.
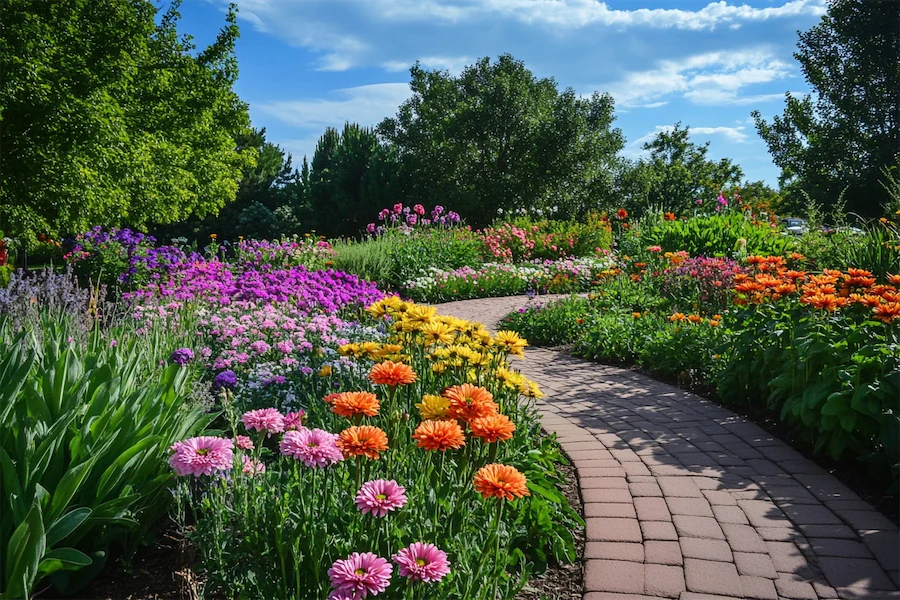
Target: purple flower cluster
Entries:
(221, 284)
(182, 356)
(267, 255)
(406, 216)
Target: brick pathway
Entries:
(685, 499)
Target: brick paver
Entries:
(685, 499)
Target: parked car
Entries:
(794, 225)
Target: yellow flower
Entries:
(438, 333)
(439, 367)
(348, 350)
(636, 315)
(511, 342)
(420, 314)
(530, 389)
(325, 371)
(433, 407)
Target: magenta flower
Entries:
(244, 443)
(419, 209)
(202, 455)
(264, 419)
(294, 420)
(360, 575)
(252, 467)
(315, 448)
(379, 497)
(398, 208)
(422, 562)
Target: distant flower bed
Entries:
(500, 279)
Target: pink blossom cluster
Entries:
(361, 574)
(276, 254)
(413, 216)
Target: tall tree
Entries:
(678, 171)
(850, 132)
(497, 137)
(107, 116)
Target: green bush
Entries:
(85, 433)
(729, 234)
(371, 259)
(444, 249)
(557, 323)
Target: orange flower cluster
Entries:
(829, 291)
(392, 374)
(695, 319)
(469, 402)
(363, 440)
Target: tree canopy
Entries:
(107, 116)
(848, 132)
(497, 137)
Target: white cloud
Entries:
(712, 78)
(365, 104)
(454, 64)
(731, 134)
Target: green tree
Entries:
(497, 137)
(850, 132)
(678, 171)
(107, 116)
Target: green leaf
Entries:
(836, 405)
(68, 559)
(24, 551)
(66, 524)
(68, 486)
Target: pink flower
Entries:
(315, 448)
(422, 562)
(244, 443)
(113, 343)
(264, 419)
(294, 420)
(202, 455)
(398, 208)
(379, 497)
(360, 574)
(252, 467)
(419, 209)
(260, 347)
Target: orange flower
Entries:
(636, 315)
(351, 404)
(785, 288)
(500, 481)
(622, 213)
(492, 428)
(713, 323)
(749, 286)
(695, 318)
(363, 440)
(895, 279)
(392, 374)
(330, 398)
(795, 274)
(468, 402)
(828, 302)
(887, 312)
(669, 216)
(439, 435)
(796, 256)
(677, 317)
(859, 273)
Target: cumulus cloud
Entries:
(454, 64)
(730, 134)
(365, 104)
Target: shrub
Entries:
(553, 324)
(523, 239)
(730, 234)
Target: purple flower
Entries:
(182, 356)
(225, 379)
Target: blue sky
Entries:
(309, 64)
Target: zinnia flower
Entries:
(469, 402)
(264, 419)
(360, 575)
(500, 481)
(294, 420)
(433, 407)
(392, 374)
(492, 428)
(315, 448)
(202, 455)
(439, 435)
(351, 404)
(244, 442)
(379, 497)
(364, 440)
(422, 562)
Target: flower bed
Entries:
(424, 453)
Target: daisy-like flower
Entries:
(439, 435)
(422, 562)
(392, 374)
(512, 342)
(352, 404)
(500, 481)
(363, 440)
(360, 574)
(252, 467)
(433, 407)
(469, 402)
(379, 497)
(315, 448)
(294, 420)
(492, 428)
(202, 455)
(438, 333)
(264, 419)
(244, 442)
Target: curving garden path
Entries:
(685, 499)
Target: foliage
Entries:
(371, 259)
(498, 137)
(728, 234)
(110, 116)
(524, 239)
(273, 531)
(85, 426)
(553, 324)
(848, 134)
(445, 249)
